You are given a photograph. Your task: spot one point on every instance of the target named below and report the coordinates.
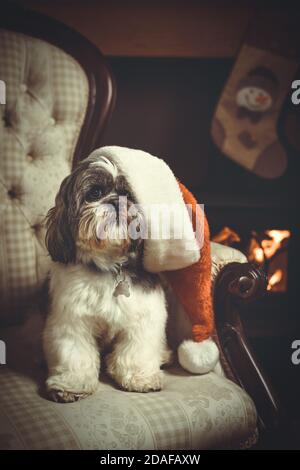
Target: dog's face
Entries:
(86, 221)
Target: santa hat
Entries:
(183, 256)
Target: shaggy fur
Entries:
(86, 317)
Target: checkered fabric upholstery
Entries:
(46, 99)
(192, 412)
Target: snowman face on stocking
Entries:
(256, 92)
(254, 98)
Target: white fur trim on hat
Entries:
(198, 358)
(153, 183)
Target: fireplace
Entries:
(267, 248)
(171, 102)
(275, 249)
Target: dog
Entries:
(104, 306)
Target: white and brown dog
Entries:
(107, 300)
(100, 293)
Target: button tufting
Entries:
(36, 228)
(51, 121)
(23, 87)
(13, 193)
(29, 158)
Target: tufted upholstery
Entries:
(47, 95)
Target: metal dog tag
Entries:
(122, 288)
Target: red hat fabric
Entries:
(192, 285)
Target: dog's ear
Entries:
(59, 240)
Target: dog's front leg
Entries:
(73, 359)
(140, 348)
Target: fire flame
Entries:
(227, 237)
(275, 279)
(262, 248)
(271, 246)
(258, 255)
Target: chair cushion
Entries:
(191, 412)
(46, 100)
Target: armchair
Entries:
(221, 410)
(238, 285)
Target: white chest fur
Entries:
(80, 294)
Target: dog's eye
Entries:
(93, 194)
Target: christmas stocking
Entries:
(244, 126)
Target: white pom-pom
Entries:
(198, 358)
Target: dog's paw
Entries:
(132, 376)
(136, 382)
(66, 388)
(63, 396)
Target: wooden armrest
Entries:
(236, 284)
